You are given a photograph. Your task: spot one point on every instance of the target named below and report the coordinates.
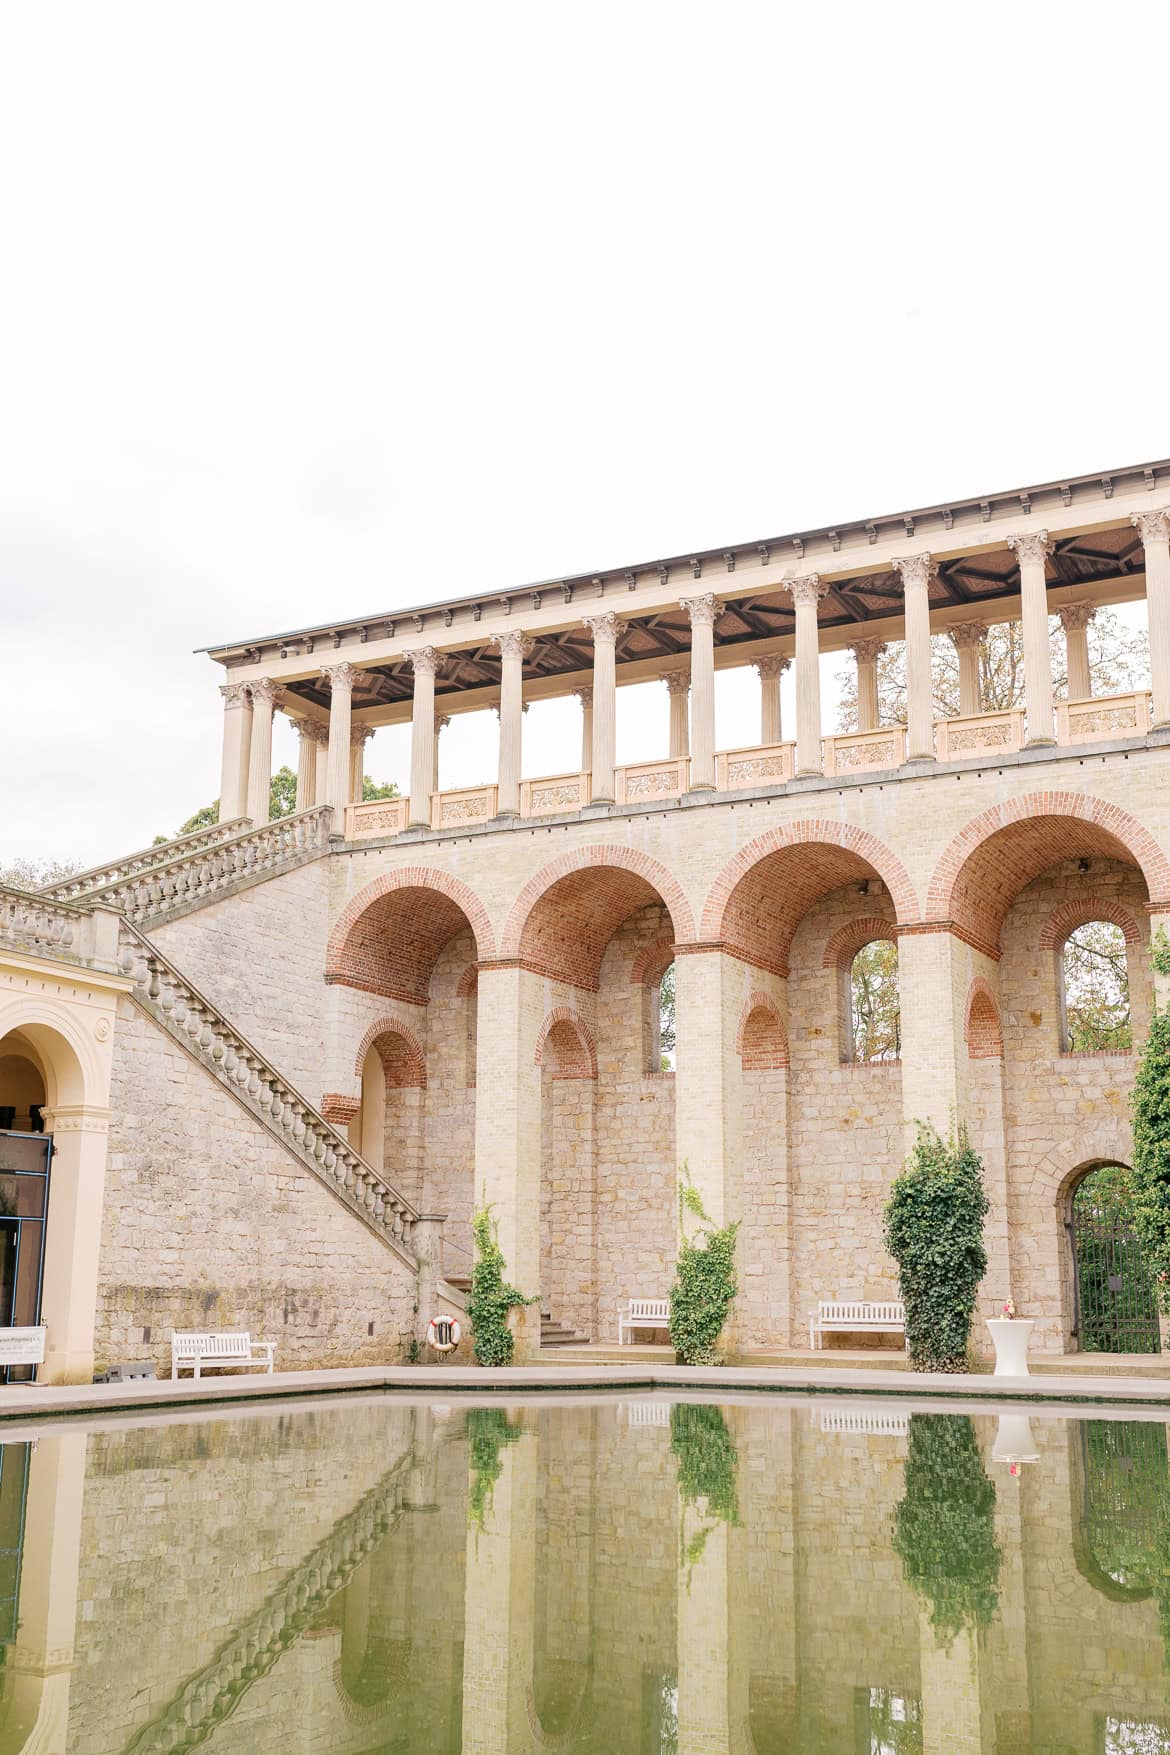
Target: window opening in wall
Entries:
(1131, 1736)
(875, 1024)
(1095, 989)
(1114, 1307)
(665, 1013)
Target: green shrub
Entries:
(934, 1231)
(944, 1527)
(705, 1284)
(491, 1297)
(1150, 1181)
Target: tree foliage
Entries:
(374, 790)
(491, 1296)
(1151, 1139)
(705, 1285)
(37, 874)
(934, 1231)
(1096, 988)
(874, 1013)
(944, 1526)
(282, 802)
(666, 1032)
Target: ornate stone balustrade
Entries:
(100, 877)
(44, 927)
(379, 817)
(472, 804)
(980, 734)
(193, 878)
(768, 765)
(192, 1020)
(553, 794)
(861, 752)
(647, 782)
(1096, 721)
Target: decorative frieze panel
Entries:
(650, 782)
(863, 752)
(1098, 721)
(455, 810)
(981, 734)
(553, 795)
(378, 818)
(765, 765)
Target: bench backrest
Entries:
(859, 1310)
(645, 1308)
(231, 1344)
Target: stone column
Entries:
(806, 593)
(585, 696)
(709, 1085)
(73, 1233)
(605, 629)
(770, 670)
(1075, 619)
(265, 697)
(867, 653)
(967, 639)
(341, 678)
(916, 573)
(359, 737)
(1155, 533)
(306, 763)
(678, 687)
(425, 662)
(442, 720)
(321, 753)
(510, 1007)
(237, 745)
(1030, 549)
(703, 611)
(513, 649)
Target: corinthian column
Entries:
(806, 593)
(967, 638)
(770, 670)
(703, 611)
(341, 678)
(359, 737)
(1030, 550)
(605, 630)
(513, 650)
(1155, 533)
(585, 696)
(1075, 619)
(867, 653)
(265, 697)
(916, 572)
(237, 742)
(425, 663)
(312, 735)
(678, 687)
(442, 720)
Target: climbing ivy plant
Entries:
(489, 1433)
(944, 1526)
(934, 1231)
(705, 1284)
(1150, 1180)
(491, 1296)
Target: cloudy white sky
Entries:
(293, 294)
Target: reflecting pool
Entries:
(629, 1576)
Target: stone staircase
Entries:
(552, 1332)
(100, 877)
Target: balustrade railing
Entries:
(645, 782)
(32, 922)
(191, 1018)
(99, 877)
(1098, 720)
(977, 734)
(769, 764)
(861, 752)
(553, 793)
(380, 816)
(471, 804)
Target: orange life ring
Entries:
(444, 1333)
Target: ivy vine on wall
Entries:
(934, 1231)
(491, 1297)
(1150, 1180)
(705, 1285)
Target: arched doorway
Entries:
(1115, 1308)
(25, 1159)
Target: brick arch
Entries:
(845, 943)
(1063, 921)
(574, 1054)
(761, 1041)
(468, 983)
(982, 1029)
(388, 938)
(405, 1065)
(1002, 850)
(565, 916)
(759, 897)
(1102, 1139)
(651, 963)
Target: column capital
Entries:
(965, 634)
(915, 570)
(311, 730)
(425, 661)
(867, 651)
(605, 627)
(1154, 526)
(677, 682)
(512, 644)
(235, 694)
(442, 720)
(360, 734)
(770, 666)
(585, 696)
(265, 689)
(1075, 616)
(340, 676)
(1030, 545)
(703, 610)
(807, 589)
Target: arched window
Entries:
(875, 1024)
(664, 1012)
(1094, 989)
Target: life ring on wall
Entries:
(444, 1333)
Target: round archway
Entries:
(1115, 1307)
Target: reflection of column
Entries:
(499, 1620)
(425, 663)
(265, 697)
(585, 696)
(72, 1236)
(605, 630)
(806, 593)
(952, 1714)
(1155, 534)
(967, 639)
(678, 686)
(916, 573)
(1030, 550)
(513, 647)
(442, 720)
(867, 653)
(38, 1666)
(359, 736)
(770, 670)
(1075, 619)
(712, 1635)
(703, 611)
(237, 743)
(341, 678)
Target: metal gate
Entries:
(1114, 1307)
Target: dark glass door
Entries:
(24, 1203)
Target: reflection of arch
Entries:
(388, 938)
(762, 893)
(761, 1040)
(1119, 1477)
(1064, 921)
(1000, 852)
(982, 1030)
(570, 1709)
(400, 1051)
(566, 1044)
(845, 943)
(565, 916)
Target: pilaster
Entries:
(73, 1238)
(266, 697)
(425, 662)
(770, 670)
(341, 678)
(1155, 534)
(237, 747)
(1075, 619)
(507, 1130)
(359, 737)
(703, 612)
(605, 630)
(916, 573)
(513, 649)
(678, 687)
(866, 654)
(1031, 549)
(806, 594)
(967, 639)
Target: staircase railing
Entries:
(191, 1018)
(71, 889)
(30, 922)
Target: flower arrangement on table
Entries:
(1009, 1309)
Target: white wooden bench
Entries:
(643, 1313)
(856, 1316)
(218, 1352)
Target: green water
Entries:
(619, 1576)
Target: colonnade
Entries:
(330, 769)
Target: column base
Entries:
(703, 786)
(922, 760)
(505, 816)
(809, 774)
(1039, 743)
